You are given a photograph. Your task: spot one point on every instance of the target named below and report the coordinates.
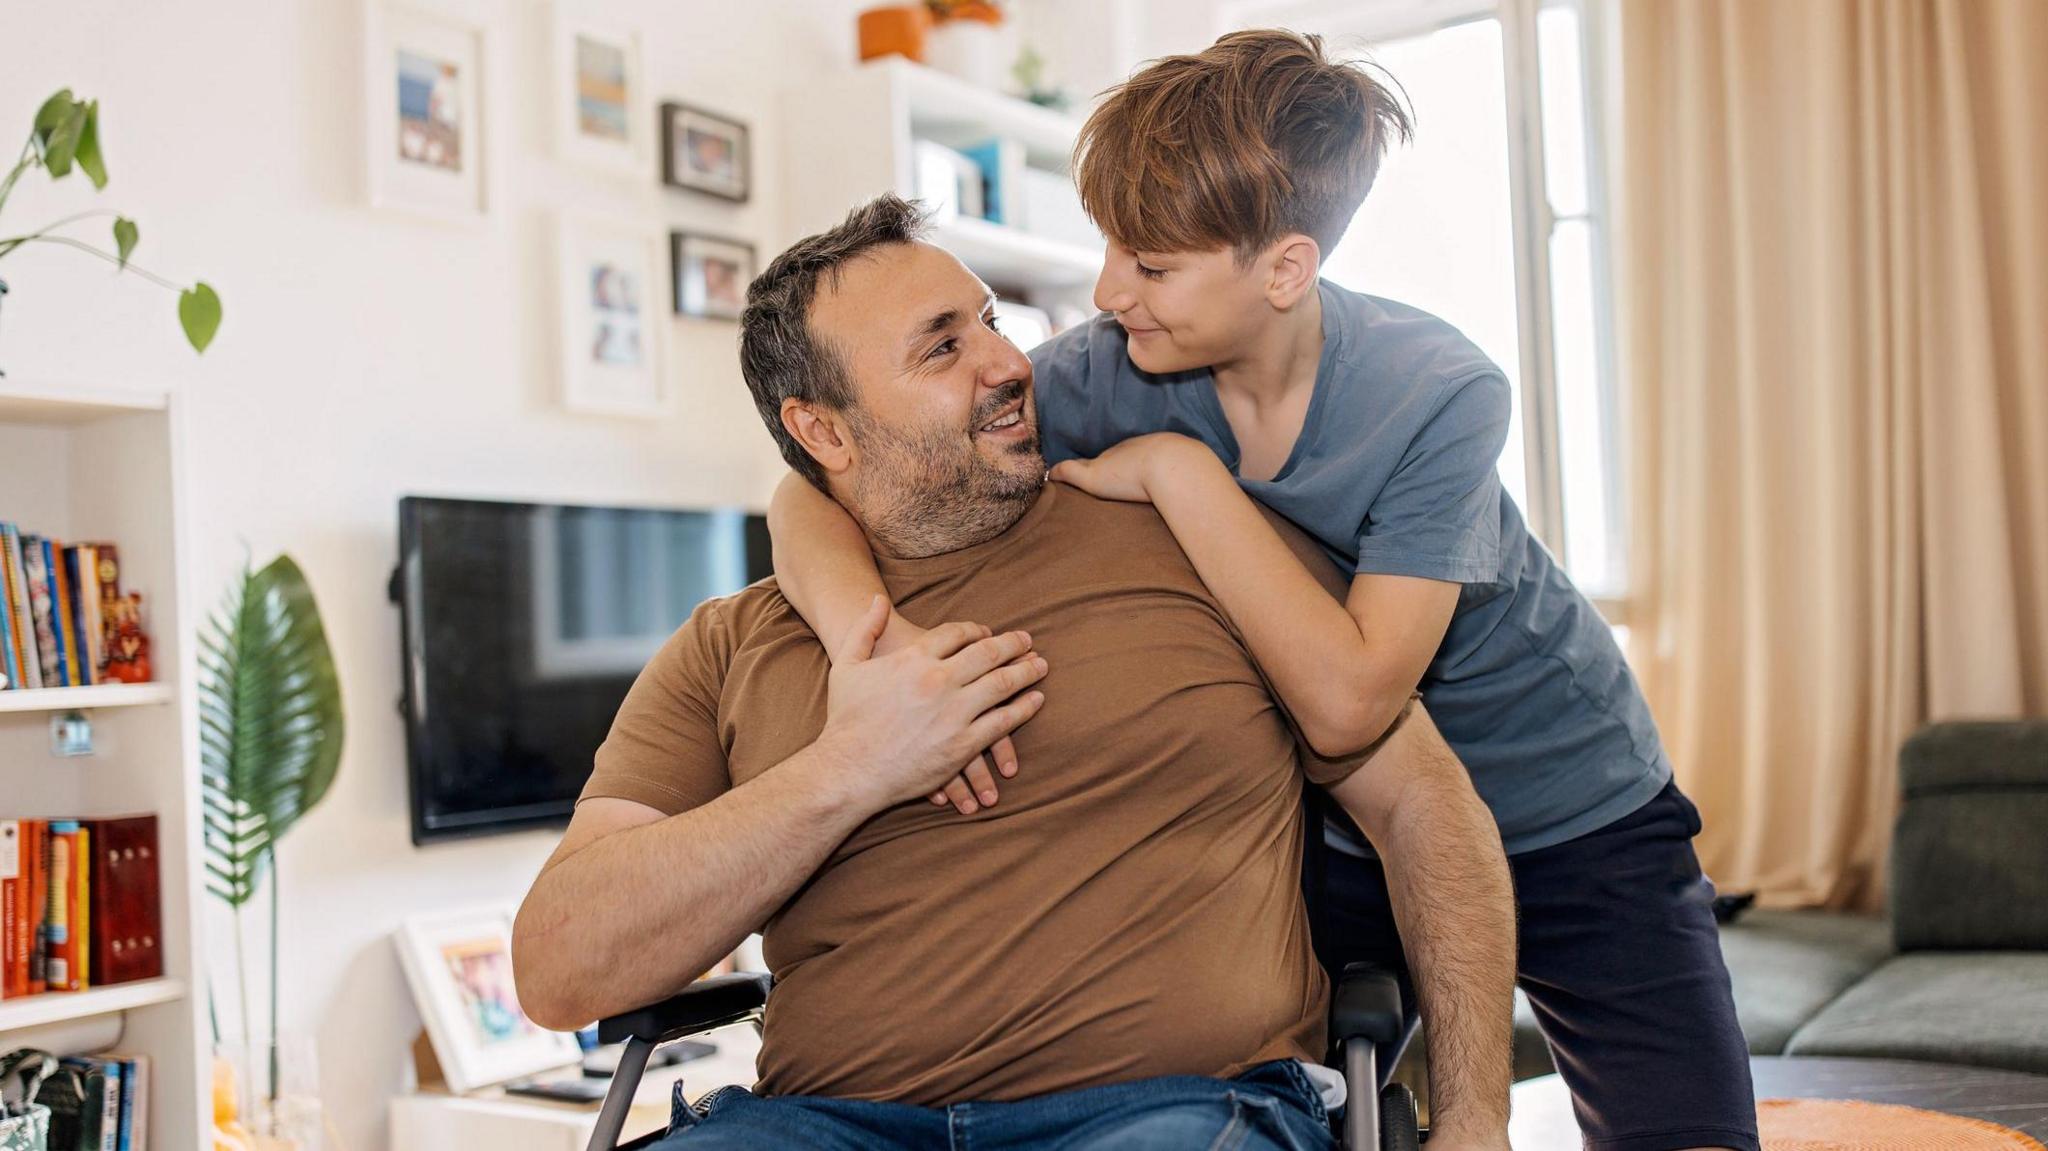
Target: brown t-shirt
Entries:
(1130, 908)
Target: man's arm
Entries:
(632, 906)
(1455, 905)
(1344, 670)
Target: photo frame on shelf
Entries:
(612, 332)
(424, 113)
(710, 275)
(598, 94)
(459, 965)
(705, 152)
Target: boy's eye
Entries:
(1150, 273)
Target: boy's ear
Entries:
(1293, 262)
(821, 432)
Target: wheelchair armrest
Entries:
(702, 1006)
(1366, 1005)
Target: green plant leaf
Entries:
(199, 311)
(88, 153)
(124, 237)
(272, 723)
(61, 145)
(52, 113)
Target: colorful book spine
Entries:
(11, 664)
(77, 570)
(53, 566)
(81, 912)
(60, 966)
(13, 916)
(36, 833)
(110, 1106)
(35, 561)
(67, 616)
(23, 623)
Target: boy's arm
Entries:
(826, 570)
(1343, 670)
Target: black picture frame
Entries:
(678, 172)
(683, 247)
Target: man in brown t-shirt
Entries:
(1118, 944)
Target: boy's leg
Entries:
(1621, 959)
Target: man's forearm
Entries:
(824, 565)
(633, 916)
(1453, 900)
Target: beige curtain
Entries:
(1833, 303)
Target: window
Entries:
(1493, 219)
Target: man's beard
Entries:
(928, 491)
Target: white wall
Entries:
(365, 356)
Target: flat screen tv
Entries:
(523, 627)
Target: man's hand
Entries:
(974, 788)
(913, 716)
(1131, 470)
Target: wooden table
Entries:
(1543, 1108)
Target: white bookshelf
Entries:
(849, 136)
(86, 462)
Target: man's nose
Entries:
(1006, 363)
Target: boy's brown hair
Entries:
(1254, 137)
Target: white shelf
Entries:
(62, 1006)
(953, 111)
(42, 402)
(1006, 256)
(86, 698)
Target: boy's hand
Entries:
(974, 788)
(1131, 470)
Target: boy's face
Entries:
(1184, 310)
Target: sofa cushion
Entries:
(1787, 965)
(1969, 861)
(1984, 1009)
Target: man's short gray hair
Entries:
(780, 356)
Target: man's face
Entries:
(1183, 310)
(944, 429)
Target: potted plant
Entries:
(66, 136)
(270, 731)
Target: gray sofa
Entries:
(1958, 970)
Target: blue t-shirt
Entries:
(1394, 474)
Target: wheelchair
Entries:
(1368, 1031)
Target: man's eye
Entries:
(1150, 273)
(942, 348)
(994, 324)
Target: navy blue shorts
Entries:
(1621, 959)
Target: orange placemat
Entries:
(1849, 1125)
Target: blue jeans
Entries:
(1272, 1107)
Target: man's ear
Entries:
(821, 432)
(1294, 261)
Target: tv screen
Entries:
(523, 627)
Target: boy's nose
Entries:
(1111, 295)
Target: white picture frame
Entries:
(459, 965)
(601, 113)
(608, 278)
(424, 116)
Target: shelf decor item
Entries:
(966, 41)
(705, 152)
(894, 30)
(66, 137)
(459, 966)
(270, 735)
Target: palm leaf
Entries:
(270, 723)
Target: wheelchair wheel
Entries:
(1398, 1129)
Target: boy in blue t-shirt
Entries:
(1224, 368)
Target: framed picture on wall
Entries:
(600, 109)
(424, 107)
(459, 966)
(612, 333)
(705, 152)
(711, 275)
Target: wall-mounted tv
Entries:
(523, 625)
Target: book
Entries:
(81, 912)
(60, 576)
(37, 834)
(35, 560)
(85, 611)
(1002, 176)
(13, 892)
(134, 1101)
(127, 917)
(76, 1097)
(59, 966)
(11, 667)
(23, 622)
